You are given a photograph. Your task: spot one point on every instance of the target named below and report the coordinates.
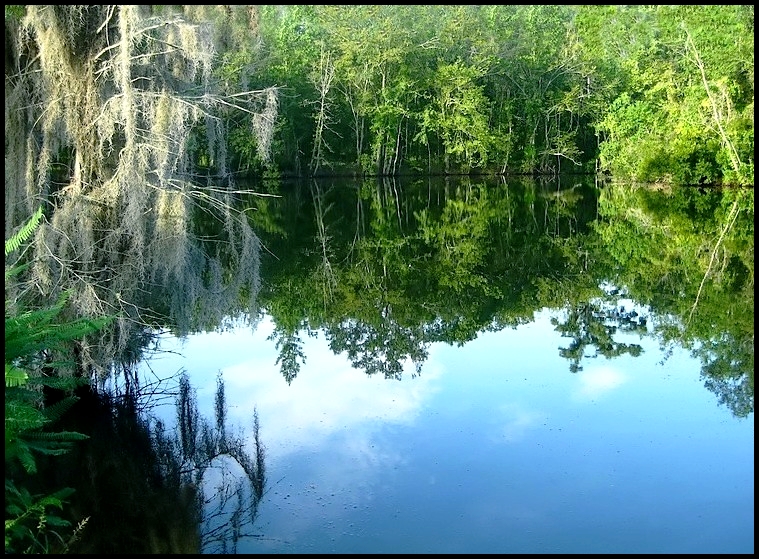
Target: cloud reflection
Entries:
(328, 396)
(519, 421)
(597, 382)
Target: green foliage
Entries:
(30, 524)
(458, 88)
(32, 337)
(24, 233)
(418, 264)
(291, 356)
(415, 262)
(682, 115)
(34, 525)
(593, 325)
(660, 244)
(459, 115)
(14, 12)
(651, 93)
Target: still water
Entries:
(532, 381)
(494, 448)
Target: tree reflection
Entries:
(291, 356)
(413, 267)
(593, 325)
(422, 264)
(380, 348)
(688, 255)
(141, 488)
(229, 480)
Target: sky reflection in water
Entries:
(495, 447)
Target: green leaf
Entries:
(14, 376)
(24, 233)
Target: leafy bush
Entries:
(32, 522)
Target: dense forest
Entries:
(653, 93)
(649, 93)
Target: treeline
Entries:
(648, 93)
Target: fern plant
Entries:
(32, 525)
(31, 337)
(15, 242)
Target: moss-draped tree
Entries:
(111, 114)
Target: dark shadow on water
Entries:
(141, 487)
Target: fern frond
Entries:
(56, 411)
(38, 442)
(28, 332)
(22, 395)
(58, 498)
(19, 496)
(23, 454)
(32, 331)
(24, 233)
(52, 438)
(61, 383)
(22, 446)
(21, 416)
(14, 376)
(53, 520)
(16, 270)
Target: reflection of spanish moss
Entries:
(230, 481)
(123, 494)
(137, 470)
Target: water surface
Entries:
(494, 448)
(485, 365)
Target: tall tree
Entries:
(103, 108)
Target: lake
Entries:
(480, 365)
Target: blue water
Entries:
(496, 447)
